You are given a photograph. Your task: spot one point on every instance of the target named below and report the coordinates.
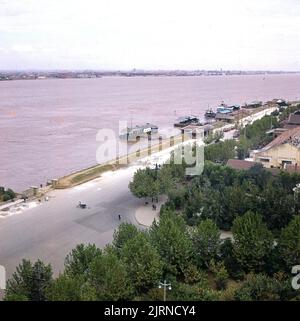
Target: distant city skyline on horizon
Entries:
(107, 70)
(249, 35)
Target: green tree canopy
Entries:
(171, 239)
(259, 287)
(142, 262)
(207, 242)
(29, 282)
(109, 277)
(220, 152)
(78, 262)
(145, 183)
(253, 242)
(123, 234)
(289, 243)
(66, 288)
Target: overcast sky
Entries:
(150, 34)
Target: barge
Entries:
(187, 120)
(136, 133)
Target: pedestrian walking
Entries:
(119, 217)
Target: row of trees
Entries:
(223, 194)
(253, 136)
(255, 133)
(214, 137)
(220, 152)
(261, 210)
(196, 261)
(285, 112)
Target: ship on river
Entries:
(187, 120)
(140, 131)
(210, 113)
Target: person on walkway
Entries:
(119, 217)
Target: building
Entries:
(281, 103)
(195, 131)
(240, 164)
(283, 150)
(254, 104)
(225, 117)
(293, 121)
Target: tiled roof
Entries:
(290, 136)
(240, 164)
(294, 119)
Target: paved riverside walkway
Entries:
(145, 215)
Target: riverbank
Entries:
(54, 132)
(50, 229)
(94, 172)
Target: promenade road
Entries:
(51, 229)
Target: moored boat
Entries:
(210, 114)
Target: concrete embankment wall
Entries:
(93, 172)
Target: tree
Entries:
(220, 152)
(289, 243)
(243, 148)
(255, 133)
(78, 262)
(253, 242)
(259, 287)
(207, 242)
(276, 205)
(177, 197)
(168, 177)
(29, 282)
(110, 279)
(230, 261)
(197, 292)
(6, 195)
(145, 183)
(66, 288)
(172, 241)
(220, 274)
(123, 234)
(142, 262)
(214, 137)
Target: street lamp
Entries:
(166, 286)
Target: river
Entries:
(48, 127)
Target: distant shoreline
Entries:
(89, 74)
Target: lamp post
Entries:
(166, 286)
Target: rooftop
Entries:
(240, 164)
(294, 119)
(197, 127)
(291, 136)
